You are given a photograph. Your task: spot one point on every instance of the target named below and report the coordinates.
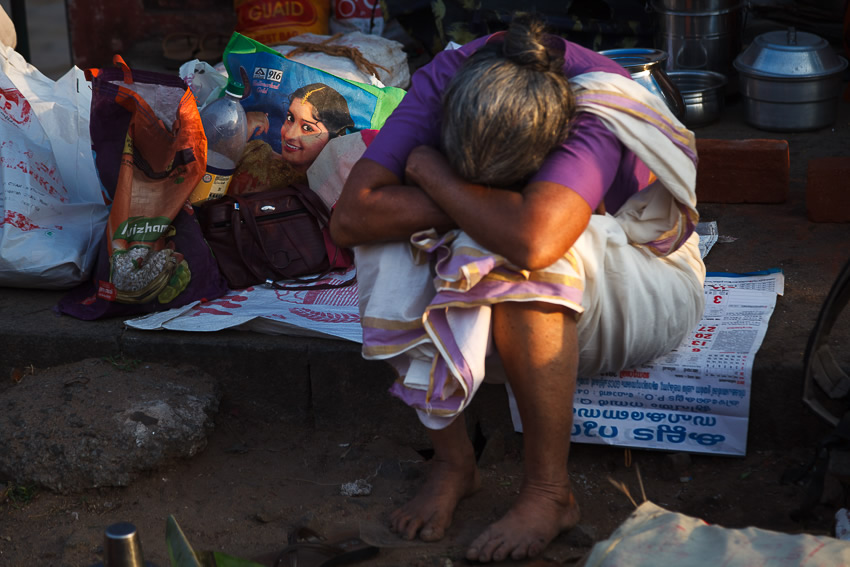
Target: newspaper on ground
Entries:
(322, 313)
(707, 232)
(696, 398)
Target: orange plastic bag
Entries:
(150, 152)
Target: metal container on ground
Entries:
(646, 66)
(790, 81)
(122, 547)
(701, 35)
(703, 93)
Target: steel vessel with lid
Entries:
(701, 34)
(790, 81)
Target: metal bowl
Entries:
(790, 81)
(703, 93)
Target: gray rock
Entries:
(100, 423)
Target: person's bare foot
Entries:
(430, 512)
(539, 514)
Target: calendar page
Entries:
(697, 397)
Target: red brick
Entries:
(743, 171)
(828, 189)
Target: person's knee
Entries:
(536, 311)
(531, 332)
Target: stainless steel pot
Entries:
(700, 34)
(646, 66)
(790, 81)
(703, 92)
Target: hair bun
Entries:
(525, 44)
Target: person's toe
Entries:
(431, 532)
(412, 528)
(490, 550)
(534, 549)
(473, 552)
(501, 552)
(519, 552)
(396, 524)
(405, 526)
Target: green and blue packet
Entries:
(273, 78)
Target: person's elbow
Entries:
(545, 243)
(547, 237)
(535, 254)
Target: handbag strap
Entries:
(313, 203)
(284, 287)
(236, 231)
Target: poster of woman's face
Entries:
(316, 114)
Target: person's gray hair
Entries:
(507, 108)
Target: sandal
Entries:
(308, 549)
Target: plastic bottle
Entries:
(226, 128)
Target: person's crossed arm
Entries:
(532, 228)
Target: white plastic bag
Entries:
(653, 536)
(205, 82)
(52, 214)
(328, 173)
(377, 50)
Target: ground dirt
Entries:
(260, 478)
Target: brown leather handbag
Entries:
(268, 236)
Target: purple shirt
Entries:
(592, 161)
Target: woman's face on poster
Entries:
(302, 136)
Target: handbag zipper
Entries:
(263, 218)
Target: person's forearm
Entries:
(492, 217)
(374, 206)
(531, 228)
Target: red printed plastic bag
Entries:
(51, 212)
(364, 16)
(272, 22)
